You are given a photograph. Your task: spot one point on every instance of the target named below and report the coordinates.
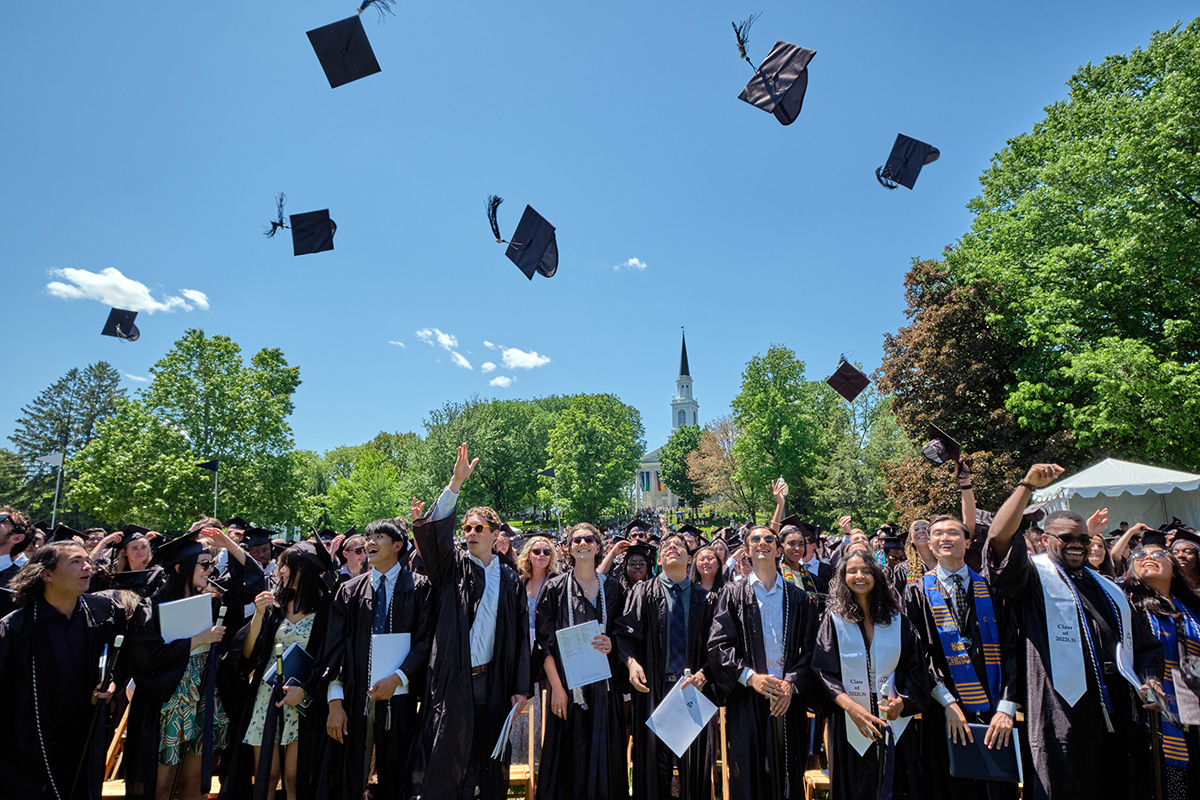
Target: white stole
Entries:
(885, 655)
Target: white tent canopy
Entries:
(1131, 492)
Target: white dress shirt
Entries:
(483, 629)
(770, 611)
(335, 687)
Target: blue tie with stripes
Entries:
(381, 608)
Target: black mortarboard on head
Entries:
(636, 525)
(312, 232)
(257, 537)
(120, 324)
(1185, 535)
(344, 51)
(533, 247)
(689, 528)
(847, 380)
(328, 534)
(779, 84)
(62, 533)
(905, 162)
(131, 533)
(237, 522)
(315, 548)
(179, 549)
(641, 549)
(1150, 538)
(940, 448)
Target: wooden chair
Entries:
(815, 780)
(522, 778)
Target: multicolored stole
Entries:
(966, 681)
(799, 578)
(1174, 746)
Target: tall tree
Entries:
(594, 448)
(673, 459)
(372, 491)
(713, 467)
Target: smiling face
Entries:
(541, 551)
(920, 532)
(382, 551)
(948, 541)
(794, 548)
(137, 554)
(707, 563)
(201, 572)
(637, 568)
(673, 553)
(721, 549)
(1188, 556)
(1096, 551)
(1153, 565)
(355, 552)
(585, 545)
(763, 545)
(1067, 542)
(859, 578)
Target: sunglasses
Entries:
(589, 539)
(1083, 539)
(541, 552)
(764, 539)
(474, 528)
(358, 551)
(1141, 554)
(206, 564)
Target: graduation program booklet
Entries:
(183, 619)
(388, 651)
(680, 717)
(582, 663)
(297, 665)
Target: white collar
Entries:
(944, 576)
(5, 562)
(492, 565)
(391, 575)
(754, 581)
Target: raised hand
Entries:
(1040, 475)
(1097, 522)
(463, 467)
(418, 508)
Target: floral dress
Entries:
(288, 634)
(183, 716)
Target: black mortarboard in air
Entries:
(120, 324)
(62, 533)
(779, 83)
(1035, 511)
(905, 162)
(533, 247)
(179, 549)
(848, 380)
(344, 51)
(312, 232)
(940, 448)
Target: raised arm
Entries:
(1008, 518)
(779, 488)
(434, 533)
(968, 494)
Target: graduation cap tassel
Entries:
(493, 205)
(276, 224)
(380, 6)
(885, 181)
(742, 31)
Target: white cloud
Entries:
(112, 288)
(512, 358)
(486, 367)
(458, 359)
(432, 336)
(503, 381)
(488, 345)
(633, 263)
(398, 344)
(137, 378)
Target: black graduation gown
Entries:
(583, 756)
(1071, 753)
(345, 657)
(855, 777)
(936, 782)
(735, 643)
(6, 597)
(442, 764)
(65, 721)
(642, 632)
(313, 738)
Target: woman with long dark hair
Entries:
(707, 569)
(873, 667)
(1158, 591)
(583, 754)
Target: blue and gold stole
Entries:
(966, 681)
(1174, 746)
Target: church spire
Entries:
(683, 364)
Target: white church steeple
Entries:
(685, 409)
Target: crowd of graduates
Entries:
(885, 655)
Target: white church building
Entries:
(649, 490)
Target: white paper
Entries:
(183, 619)
(582, 663)
(1185, 698)
(498, 750)
(680, 717)
(1125, 667)
(388, 651)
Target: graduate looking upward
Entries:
(1079, 710)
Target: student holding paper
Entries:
(1080, 712)
(583, 753)
(760, 650)
(296, 613)
(973, 648)
(662, 634)
(873, 667)
(1161, 595)
(479, 665)
(50, 650)
(387, 600)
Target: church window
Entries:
(682, 418)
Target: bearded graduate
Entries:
(663, 633)
(759, 651)
(583, 752)
(479, 663)
(973, 649)
(873, 667)
(1080, 712)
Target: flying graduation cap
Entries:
(533, 247)
(312, 232)
(848, 380)
(343, 48)
(904, 164)
(940, 448)
(779, 83)
(120, 324)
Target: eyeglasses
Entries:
(474, 528)
(1158, 554)
(358, 551)
(766, 538)
(206, 564)
(589, 539)
(541, 552)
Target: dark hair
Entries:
(1053, 516)
(394, 531)
(306, 574)
(694, 573)
(1147, 600)
(20, 525)
(27, 585)
(884, 606)
(950, 518)
(179, 579)
(587, 527)
(1106, 567)
(488, 514)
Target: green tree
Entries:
(713, 467)
(372, 491)
(594, 448)
(776, 412)
(673, 460)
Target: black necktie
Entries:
(380, 623)
(678, 660)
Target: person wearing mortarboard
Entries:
(479, 670)
(235, 528)
(380, 716)
(1081, 703)
(1185, 547)
(59, 667)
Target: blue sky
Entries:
(151, 138)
